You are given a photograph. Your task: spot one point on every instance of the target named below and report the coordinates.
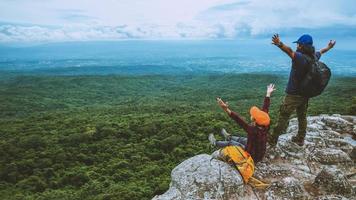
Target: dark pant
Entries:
(291, 103)
(234, 141)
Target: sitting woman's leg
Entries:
(222, 144)
(234, 141)
(241, 140)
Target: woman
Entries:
(257, 131)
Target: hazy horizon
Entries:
(163, 57)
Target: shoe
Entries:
(212, 139)
(298, 140)
(226, 135)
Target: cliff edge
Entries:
(324, 168)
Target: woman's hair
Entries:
(307, 50)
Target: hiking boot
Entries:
(298, 140)
(212, 139)
(226, 135)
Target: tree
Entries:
(33, 184)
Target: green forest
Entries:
(119, 137)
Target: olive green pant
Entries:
(289, 104)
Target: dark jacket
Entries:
(256, 135)
(298, 71)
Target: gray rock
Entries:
(290, 149)
(271, 171)
(353, 154)
(330, 156)
(202, 177)
(313, 171)
(287, 188)
(329, 134)
(338, 124)
(350, 118)
(333, 181)
(342, 144)
(331, 197)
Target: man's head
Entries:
(305, 44)
(305, 40)
(259, 117)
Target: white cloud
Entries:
(64, 20)
(265, 15)
(21, 33)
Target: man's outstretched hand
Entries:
(275, 40)
(270, 89)
(331, 44)
(286, 49)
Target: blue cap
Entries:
(305, 39)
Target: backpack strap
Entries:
(245, 159)
(310, 60)
(254, 182)
(309, 70)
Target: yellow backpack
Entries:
(243, 162)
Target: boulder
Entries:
(287, 188)
(337, 123)
(330, 156)
(202, 177)
(331, 197)
(332, 181)
(353, 154)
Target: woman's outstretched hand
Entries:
(222, 104)
(270, 89)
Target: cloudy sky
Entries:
(83, 20)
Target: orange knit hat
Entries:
(262, 118)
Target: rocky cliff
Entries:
(324, 168)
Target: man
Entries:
(293, 100)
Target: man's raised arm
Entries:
(330, 46)
(233, 115)
(286, 49)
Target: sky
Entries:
(89, 20)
